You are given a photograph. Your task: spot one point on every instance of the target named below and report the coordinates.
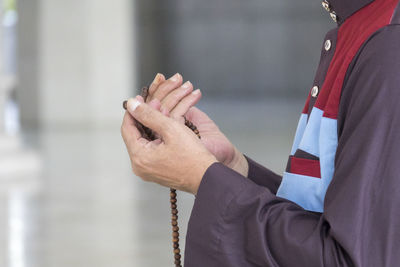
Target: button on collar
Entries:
(334, 16)
(314, 91)
(326, 5)
(328, 8)
(328, 45)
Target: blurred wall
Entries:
(233, 48)
(79, 59)
(75, 63)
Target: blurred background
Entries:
(67, 194)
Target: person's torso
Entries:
(311, 164)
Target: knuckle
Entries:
(165, 86)
(140, 162)
(165, 109)
(145, 112)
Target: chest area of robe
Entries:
(311, 164)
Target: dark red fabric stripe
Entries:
(306, 106)
(351, 36)
(306, 167)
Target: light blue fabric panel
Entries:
(301, 126)
(303, 190)
(310, 141)
(309, 192)
(328, 142)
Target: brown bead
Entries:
(174, 217)
(173, 206)
(175, 239)
(174, 223)
(144, 93)
(177, 251)
(175, 228)
(125, 104)
(174, 211)
(172, 194)
(173, 201)
(177, 257)
(175, 234)
(175, 245)
(177, 263)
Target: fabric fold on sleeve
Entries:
(263, 176)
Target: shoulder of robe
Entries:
(372, 83)
(378, 57)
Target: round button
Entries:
(314, 91)
(328, 45)
(326, 5)
(334, 16)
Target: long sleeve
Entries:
(236, 222)
(263, 176)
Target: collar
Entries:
(342, 9)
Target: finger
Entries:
(131, 134)
(174, 97)
(156, 82)
(150, 117)
(185, 104)
(156, 104)
(166, 87)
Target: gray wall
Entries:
(233, 48)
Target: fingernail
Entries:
(196, 92)
(156, 80)
(175, 78)
(133, 103)
(186, 85)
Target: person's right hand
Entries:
(178, 100)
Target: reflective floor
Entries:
(85, 207)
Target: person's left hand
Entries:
(177, 159)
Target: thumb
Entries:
(149, 116)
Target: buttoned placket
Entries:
(327, 51)
(315, 89)
(326, 57)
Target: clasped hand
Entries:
(177, 158)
